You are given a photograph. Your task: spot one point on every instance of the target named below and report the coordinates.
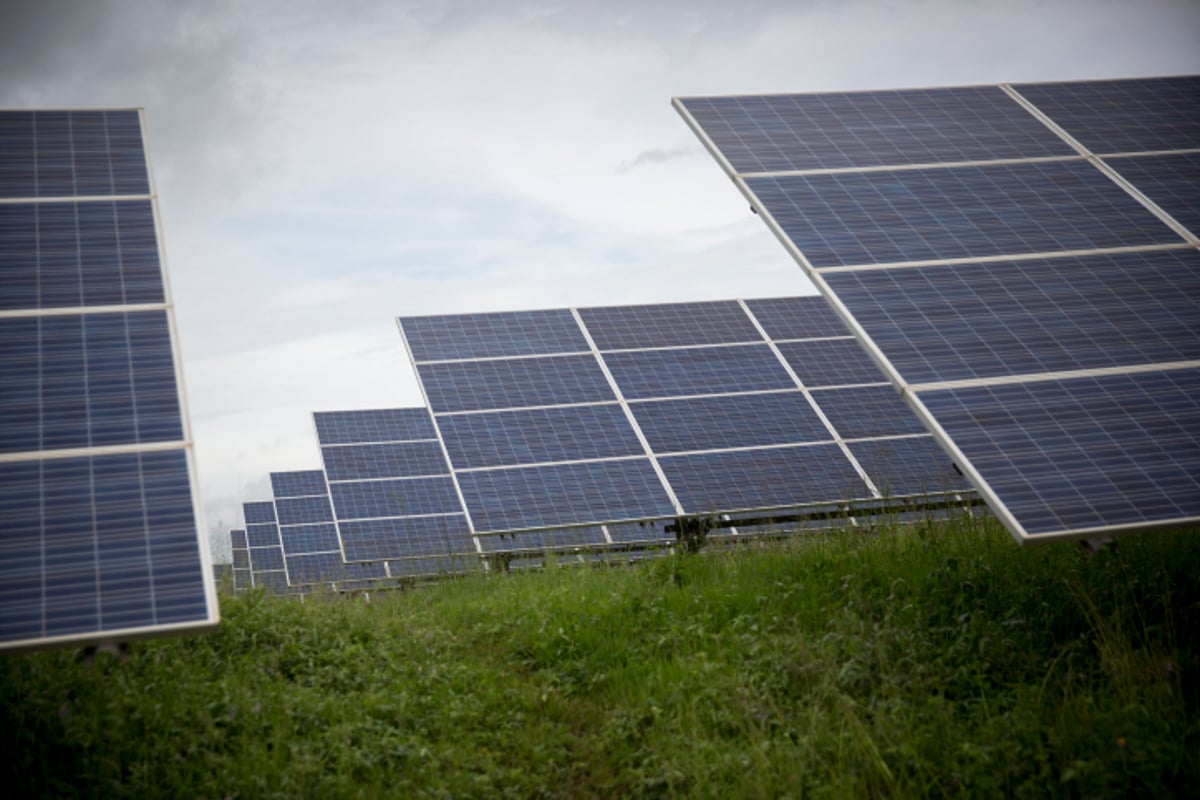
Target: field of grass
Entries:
(940, 660)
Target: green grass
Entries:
(937, 660)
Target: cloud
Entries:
(658, 155)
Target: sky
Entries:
(323, 168)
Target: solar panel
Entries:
(391, 492)
(241, 559)
(674, 409)
(1123, 116)
(100, 535)
(1037, 306)
(308, 535)
(264, 546)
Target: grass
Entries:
(940, 660)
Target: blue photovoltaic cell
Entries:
(860, 129)
(796, 317)
(513, 383)
(960, 212)
(697, 371)
(534, 436)
(1171, 181)
(914, 465)
(710, 423)
(425, 567)
(747, 479)
(262, 511)
(315, 538)
(300, 483)
(394, 498)
(71, 154)
(374, 425)
(1123, 116)
(265, 559)
(1083, 453)
(314, 568)
(241, 558)
(263, 534)
(66, 255)
(943, 323)
(383, 460)
(97, 543)
(563, 494)
(561, 539)
(237, 538)
(275, 580)
(867, 411)
(411, 537)
(516, 333)
(87, 381)
(831, 362)
(304, 510)
(668, 325)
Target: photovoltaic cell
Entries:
(406, 537)
(1123, 116)
(766, 478)
(775, 133)
(303, 510)
(1171, 181)
(911, 466)
(260, 511)
(862, 412)
(785, 318)
(373, 425)
(1130, 444)
(535, 436)
(383, 460)
(64, 254)
(959, 212)
(668, 325)
(725, 421)
(565, 538)
(513, 383)
(87, 380)
(564, 494)
(956, 322)
(263, 534)
(395, 498)
(320, 537)
(300, 483)
(72, 154)
(830, 362)
(96, 544)
(697, 371)
(469, 336)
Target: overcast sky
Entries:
(325, 167)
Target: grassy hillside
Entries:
(940, 660)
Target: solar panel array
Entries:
(606, 416)
(1023, 262)
(99, 531)
(240, 551)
